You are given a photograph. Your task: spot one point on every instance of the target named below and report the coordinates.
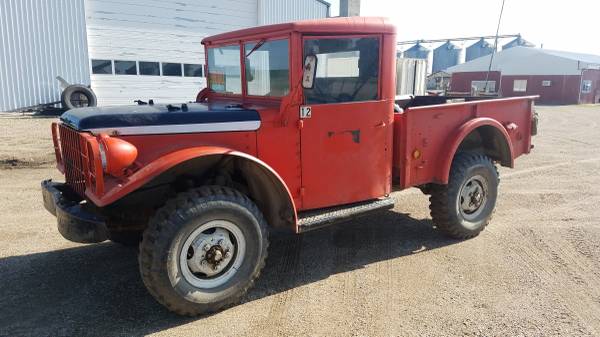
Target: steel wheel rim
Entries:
(79, 100)
(204, 275)
(472, 197)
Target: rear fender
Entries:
(466, 129)
(264, 180)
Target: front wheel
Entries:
(203, 250)
(464, 207)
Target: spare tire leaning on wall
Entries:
(78, 96)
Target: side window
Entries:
(102, 67)
(149, 68)
(586, 86)
(482, 86)
(125, 68)
(192, 70)
(347, 69)
(171, 69)
(520, 86)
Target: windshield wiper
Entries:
(258, 44)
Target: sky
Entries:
(561, 25)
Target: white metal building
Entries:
(126, 50)
(38, 41)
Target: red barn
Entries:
(558, 77)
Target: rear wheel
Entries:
(203, 250)
(465, 206)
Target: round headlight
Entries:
(116, 155)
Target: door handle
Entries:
(380, 124)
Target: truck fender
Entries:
(273, 188)
(456, 140)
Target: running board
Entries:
(314, 219)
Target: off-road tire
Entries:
(168, 229)
(125, 238)
(443, 200)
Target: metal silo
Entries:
(418, 51)
(445, 56)
(519, 41)
(479, 49)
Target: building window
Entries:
(347, 69)
(267, 69)
(125, 68)
(546, 83)
(480, 86)
(586, 86)
(192, 70)
(102, 67)
(171, 69)
(149, 68)
(520, 86)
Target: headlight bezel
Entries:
(116, 155)
(102, 150)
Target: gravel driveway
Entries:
(535, 271)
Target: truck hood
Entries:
(163, 119)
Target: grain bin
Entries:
(418, 51)
(445, 56)
(479, 49)
(519, 41)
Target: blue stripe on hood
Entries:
(158, 114)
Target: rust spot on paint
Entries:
(354, 133)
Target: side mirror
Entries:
(310, 69)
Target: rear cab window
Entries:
(347, 69)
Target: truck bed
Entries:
(428, 132)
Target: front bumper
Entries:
(75, 223)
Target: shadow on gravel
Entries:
(96, 289)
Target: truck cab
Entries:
(298, 128)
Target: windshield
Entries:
(266, 64)
(224, 70)
(267, 69)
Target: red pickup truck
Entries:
(298, 128)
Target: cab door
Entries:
(345, 126)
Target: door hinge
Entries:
(300, 124)
(302, 191)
